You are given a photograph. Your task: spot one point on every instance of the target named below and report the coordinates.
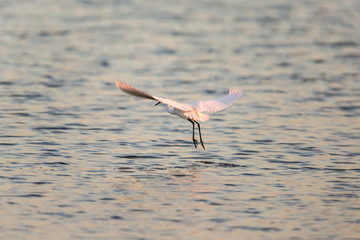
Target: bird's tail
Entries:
(203, 117)
(197, 116)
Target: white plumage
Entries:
(192, 112)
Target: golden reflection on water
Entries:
(81, 160)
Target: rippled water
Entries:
(82, 160)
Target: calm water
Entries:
(82, 160)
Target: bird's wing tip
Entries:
(121, 84)
(235, 89)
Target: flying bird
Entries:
(193, 112)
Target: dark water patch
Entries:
(49, 33)
(204, 192)
(312, 149)
(48, 153)
(328, 169)
(86, 200)
(221, 164)
(76, 124)
(151, 177)
(266, 107)
(292, 144)
(137, 156)
(226, 165)
(181, 175)
(43, 143)
(92, 129)
(349, 108)
(126, 169)
(285, 162)
(54, 163)
(104, 63)
(48, 76)
(283, 64)
(27, 95)
(53, 84)
(179, 142)
(32, 195)
(113, 129)
(7, 144)
(61, 114)
(161, 145)
(140, 210)
(342, 162)
(246, 152)
(261, 229)
(201, 200)
(97, 109)
(22, 114)
(319, 60)
(214, 119)
(65, 205)
(270, 45)
(252, 211)
(123, 143)
(42, 183)
(302, 154)
(230, 184)
(351, 55)
(337, 44)
(164, 51)
(169, 220)
(344, 195)
(63, 175)
(115, 217)
(210, 91)
(16, 178)
(52, 128)
(11, 136)
(6, 83)
(215, 204)
(207, 162)
(252, 174)
(354, 222)
(264, 141)
(107, 199)
(331, 201)
(48, 150)
(219, 220)
(59, 214)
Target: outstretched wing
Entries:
(181, 106)
(138, 93)
(133, 91)
(220, 103)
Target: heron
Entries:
(192, 112)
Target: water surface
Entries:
(82, 160)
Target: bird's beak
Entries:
(157, 103)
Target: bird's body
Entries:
(193, 112)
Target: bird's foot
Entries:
(195, 142)
(202, 144)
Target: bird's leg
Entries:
(194, 140)
(201, 141)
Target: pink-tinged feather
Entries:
(133, 91)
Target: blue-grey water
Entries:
(81, 160)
